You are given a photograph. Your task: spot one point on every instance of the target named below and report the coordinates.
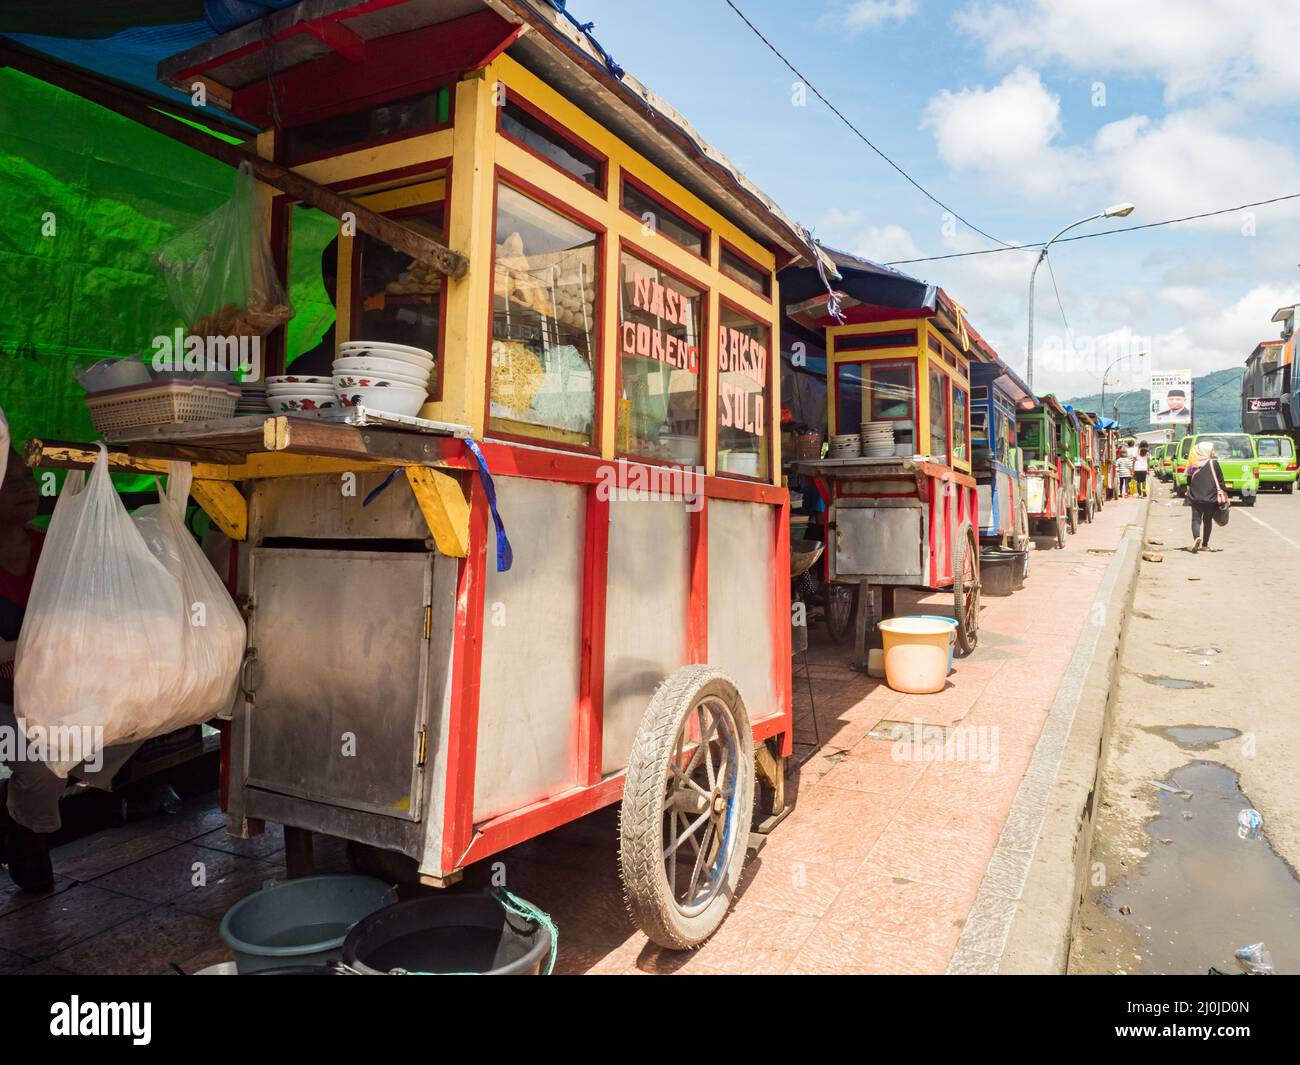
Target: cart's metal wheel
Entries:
(1088, 510)
(841, 609)
(1060, 530)
(1022, 525)
(687, 804)
(966, 589)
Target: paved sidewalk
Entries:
(874, 871)
(878, 865)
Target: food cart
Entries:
(603, 314)
(996, 394)
(1087, 470)
(908, 518)
(1048, 484)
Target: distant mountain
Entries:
(1216, 404)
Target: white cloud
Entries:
(1007, 130)
(1191, 160)
(868, 14)
(1194, 47)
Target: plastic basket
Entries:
(140, 406)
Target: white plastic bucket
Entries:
(916, 654)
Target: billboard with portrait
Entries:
(1171, 397)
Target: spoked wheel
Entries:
(687, 804)
(841, 609)
(1089, 510)
(1060, 530)
(966, 589)
(1072, 517)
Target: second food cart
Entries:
(904, 513)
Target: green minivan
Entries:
(1169, 459)
(1236, 455)
(1157, 460)
(1277, 462)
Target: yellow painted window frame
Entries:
(621, 227)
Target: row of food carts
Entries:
(497, 630)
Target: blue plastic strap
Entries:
(374, 493)
(505, 556)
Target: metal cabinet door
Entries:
(342, 649)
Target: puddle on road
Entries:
(1203, 891)
(1194, 737)
(1172, 682)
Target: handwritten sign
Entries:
(741, 407)
(666, 305)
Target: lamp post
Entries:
(1119, 210)
(1106, 373)
(1115, 409)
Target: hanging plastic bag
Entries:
(221, 275)
(212, 632)
(100, 652)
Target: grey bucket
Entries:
(300, 922)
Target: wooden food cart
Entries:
(1047, 473)
(909, 519)
(603, 315)
(1087, 469)
(997, 393)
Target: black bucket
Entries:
(445, 935)
(999, 571)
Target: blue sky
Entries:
(1021, 115)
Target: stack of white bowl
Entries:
(877, 439)
(380, 376)
(846, 446)
(300, 394)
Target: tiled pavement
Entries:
(874, 871)
(126, 901)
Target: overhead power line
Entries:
(1052, 274)
(865, 139)
(1101, 233)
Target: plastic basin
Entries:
(916, 653)
(447, 934)
(300, 922)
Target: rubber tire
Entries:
(1288, 488)
(641, 814)
(841, 635)
(965, 542)
(1180, 490)
(1249, 500)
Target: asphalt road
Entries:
(1207, 709)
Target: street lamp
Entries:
(1118, 210)
(1106, 373)
(1115, 409)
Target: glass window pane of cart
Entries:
(659, 364)
(744, 395)
(878, 391)
(399, 299)
(543, 380)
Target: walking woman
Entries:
(1141, 465)
(1205, 493)
(1124, 469)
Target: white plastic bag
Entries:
(212, 632)
(100, 653)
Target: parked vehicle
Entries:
(996, 392)
(1277, 462)
(1048, 479)
(1237, 459)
